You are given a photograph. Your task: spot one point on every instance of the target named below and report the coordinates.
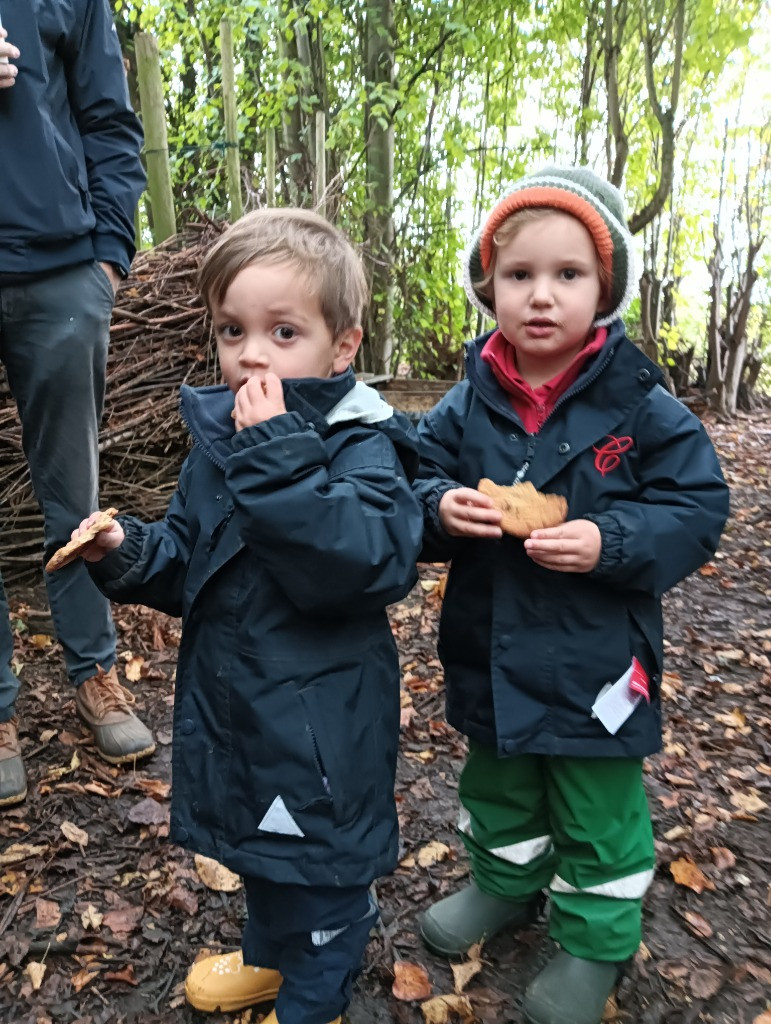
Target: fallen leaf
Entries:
(675, 833)
(47, 734)
(215, 875)
(697, 924)
(442, 1009)
(126, 974)
(91, 918)
(47, 914)
(74, 834)
(36, 972)
(705, 982)
(463, 973)
(722, 857)
(410, 981)
(148, 812)
(82, 978)
(764, 1018)
(750, 802)
(41, 640)
(17, 852)
(123, 920)
(133, 668)
(432, 853)
(686, 873)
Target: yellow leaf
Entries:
(215, 875)
(748, 802)
(74, 834)
(686, 873)
(432, 853)
(36, 972)
(439, 1009)
(41, 640)
(20, 851)
(133, 668)
(56, 773)
(463, 973)
(91, 918)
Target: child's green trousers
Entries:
(579, 826)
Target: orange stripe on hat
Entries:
(553, 198)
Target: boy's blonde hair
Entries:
(510, 229)
(320, 253)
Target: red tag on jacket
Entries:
(638, 681)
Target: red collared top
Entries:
(533, 405)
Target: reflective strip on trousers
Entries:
(633, 887)
(515, 853)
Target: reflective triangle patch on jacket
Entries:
(278, 819)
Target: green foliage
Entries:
(483, 91)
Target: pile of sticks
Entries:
(160, 338)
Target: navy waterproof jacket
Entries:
(527, 650)
(281, 548)
(70, 174)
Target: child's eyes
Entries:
(228, 331)
(519, 275)
(570, 273)
(284, 332)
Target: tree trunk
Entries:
(379, 135)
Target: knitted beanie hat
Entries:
(581, 193)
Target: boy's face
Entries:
(547, 293)
(270, 321)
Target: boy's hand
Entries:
(257, 401)
(8, 52)
(465, 512)
(105, 540)
(572, 547)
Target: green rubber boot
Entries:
(570, 989)
(469, 916)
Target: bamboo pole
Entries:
(270, 166)
(232, 161)
(156, 142)
(320, 186)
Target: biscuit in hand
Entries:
(524, 508)
(69, 552)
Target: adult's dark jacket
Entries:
(526, 650)
(70, 174)
(281, 549)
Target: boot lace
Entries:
(8, 736)
(106, 694)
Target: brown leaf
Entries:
(123, 920)
(148, 812)
(686, 873)
(74, 834)
(722, 857)
(133, 669)
(410, 981)
(47, 914)
(215, 875)
(697, 924)
(17, 852)
(763, 1018)
(82, 978)
(125, 974)
(442, 1009)
(183, 899)
(705, 982)
(41, 640)
(750, 802)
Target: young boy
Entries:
(293, 526)
(533, 632)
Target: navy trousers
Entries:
(315, 936)
(54, 335)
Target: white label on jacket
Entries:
(278, 819)
(615, 703)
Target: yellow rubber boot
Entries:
(273, 1019)
(226, 983)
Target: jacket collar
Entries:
(207, 411)
(483, 379)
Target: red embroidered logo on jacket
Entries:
(609, 455)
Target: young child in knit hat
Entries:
(552, 645)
